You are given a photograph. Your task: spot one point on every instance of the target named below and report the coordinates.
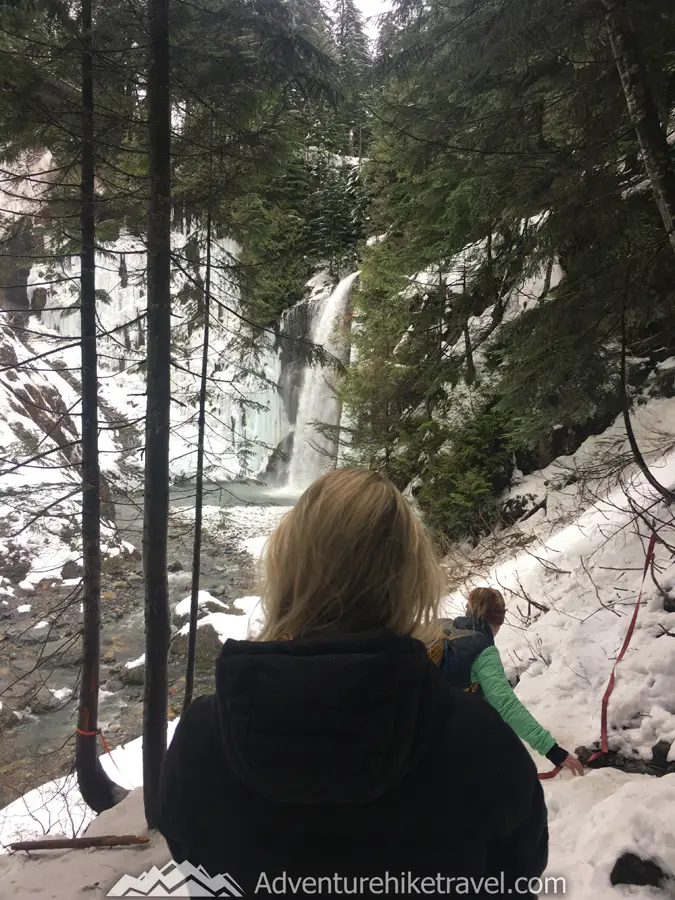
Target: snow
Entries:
(24, 608)
(582, 557)
(86, 874)
(204, 597)
(594, 819)
(238, 626)
(136, 662)
(62, 693)
(255, 546)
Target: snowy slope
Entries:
(582, 558)
(40, 424)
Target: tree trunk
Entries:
(643, 113)
(157, 425)
(470, 366)
(98, 791)
(661, 489)
(201, 426)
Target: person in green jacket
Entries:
(469, 660)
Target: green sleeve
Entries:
(488, 671)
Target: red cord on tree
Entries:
(105, 743)
(604, 744)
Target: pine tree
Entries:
(157, 420)
(503, 145)
(97, 789)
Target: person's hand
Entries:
(572, 763)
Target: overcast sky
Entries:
(371, 9)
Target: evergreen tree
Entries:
(158, 414)
(503, 147)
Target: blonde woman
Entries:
(333, 748)
(470, 661)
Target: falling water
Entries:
(314, 454)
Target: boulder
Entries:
(71, 569)
(176, 566)
(7, 718)
(134, 676)
(42, 701)
(632, 869)
(209, 645)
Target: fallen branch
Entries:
(81, 843)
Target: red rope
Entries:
(604, 744)
(105, 743)
(543, 776)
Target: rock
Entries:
(7, 718)
(71, 569)
(109, 595)
(109, 656)
(660, 753)
(205, 607)
(42, 701)
(669, 604)
(208, 645)
(67, 652)
(176, 566)
(135, 676)
(113, 685)
(120, 585)
(632, 869)
(135, 577)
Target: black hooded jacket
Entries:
(348, 756)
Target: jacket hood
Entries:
(469, 623)
(336, 719)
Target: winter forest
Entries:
(245, 242)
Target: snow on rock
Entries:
(134, 663)
(204, 598)
(594, 819)
(86, 874)
(239, 625)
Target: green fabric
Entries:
(488, 671)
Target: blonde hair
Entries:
(350, 556)
(487, 603)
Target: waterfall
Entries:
(313, 453)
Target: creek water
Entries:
(36, 749)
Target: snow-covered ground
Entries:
(582, 558)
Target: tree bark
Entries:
(201, 427)
(661, 489)
(156, 508)
(470, 366)
(98, 790)
(643, 112)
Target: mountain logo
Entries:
(176, 880)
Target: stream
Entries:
(39, 746)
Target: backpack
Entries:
(444, 653)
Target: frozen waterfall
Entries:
(314, 453)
